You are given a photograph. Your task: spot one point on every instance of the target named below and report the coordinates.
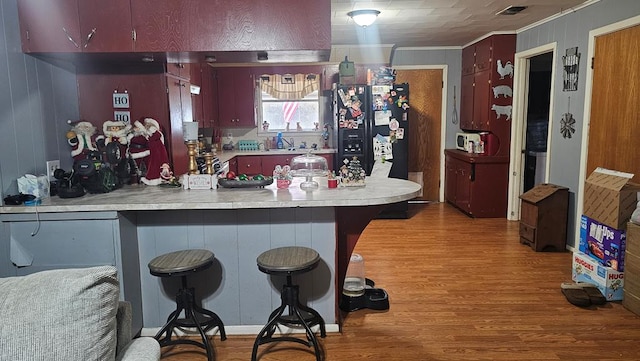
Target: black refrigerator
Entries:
(372, 123)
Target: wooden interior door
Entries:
(615, 103)
(425, 99)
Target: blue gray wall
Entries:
(568, 31)
(36, 99)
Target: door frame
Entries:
(611, 28)
(518, 126)
(443, 114)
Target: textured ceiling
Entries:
(437, 22)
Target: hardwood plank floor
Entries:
(459, 289)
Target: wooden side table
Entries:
(543, 217)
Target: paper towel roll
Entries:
(190, 131)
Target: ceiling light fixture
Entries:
(364, 17)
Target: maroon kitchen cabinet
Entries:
(487, 87)
(269, 162)
(477, 185)
(468, 60)
(466, 106)
(233, 165)
(204, 105)
(329, 158)
(160, 25)
(180, 111)
(235, 95)
(180, 70)
(69, 26)
(266, 25)
(249, 164)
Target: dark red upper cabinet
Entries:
(72, 26)
(260, 25)
(49, 26)
(161, 25)
(105, 26)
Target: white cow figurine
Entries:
(502, 110)
(505, 70)
(504, 90)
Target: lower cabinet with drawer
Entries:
(543, 217)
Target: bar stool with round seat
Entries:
(287, 261)
(181, 264)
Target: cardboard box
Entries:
(610, 197)
(631, 302)
(633, 238)
(609, 281)
(632, 273)
(604, 244)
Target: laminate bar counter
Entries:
(131, 225)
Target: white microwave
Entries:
(467, 141)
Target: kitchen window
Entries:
(289, 103)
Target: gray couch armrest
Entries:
(140, 349)
(123, 321)
(128, 348)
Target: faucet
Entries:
(290, 143)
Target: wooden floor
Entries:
(459, 289)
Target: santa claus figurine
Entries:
(158, 162)
(115, 131)
(139, 147)
(81, 139)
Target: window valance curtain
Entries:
(289, 86)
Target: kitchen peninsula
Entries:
(130, 226)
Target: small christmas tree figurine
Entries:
(352, 173)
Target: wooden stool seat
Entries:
(181, 262)
(287, 261)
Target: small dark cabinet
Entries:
(543, 217)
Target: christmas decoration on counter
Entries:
(82, 139)
(138, 150)
(159, 170)
(283, 176)
(352, 173)
(570, 65)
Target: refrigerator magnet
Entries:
(393, 124)
(381, 118)
(400, 133)
(382, 148)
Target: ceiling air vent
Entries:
(511, 10)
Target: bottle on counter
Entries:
(279, 143)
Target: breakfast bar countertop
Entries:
(377, 191)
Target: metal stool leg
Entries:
(289, 296)
(185, 301)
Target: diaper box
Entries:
(609, 281)
(602, 243)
